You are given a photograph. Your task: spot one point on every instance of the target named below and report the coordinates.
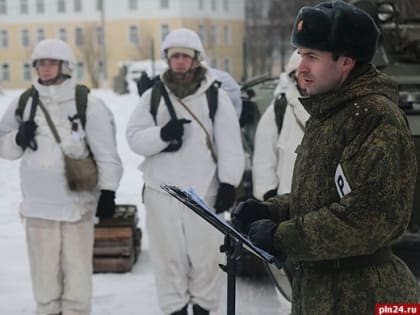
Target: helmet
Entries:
(293, 63)
(183, 38)
(53, 49)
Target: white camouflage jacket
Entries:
(43, 183)
(192, 165)
(274, 154)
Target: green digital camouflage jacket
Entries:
(352, 194)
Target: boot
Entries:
(182, 311)
(198, 310)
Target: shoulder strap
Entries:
(154, 101)
(158, 90)
(23, 99)
(50, 122)
(82, 92)
(280, 104)
(212, 94)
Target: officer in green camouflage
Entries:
(354, 176)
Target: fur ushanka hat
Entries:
(337, 27)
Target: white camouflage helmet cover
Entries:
(185, 38)
(293, 63)
(286, 77)
(53, 48)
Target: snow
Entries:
(113, 294)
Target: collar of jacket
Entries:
(58, 93)
(364, 81)
(183, 88)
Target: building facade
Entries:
(107, 33)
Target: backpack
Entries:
(82, 92)
(280, 104)
(158, 90)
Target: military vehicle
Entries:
(398, 55)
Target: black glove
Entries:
(261, 234)
(106, 204)
(174, 129)
(144, 83)
(225, 197)
(26, 135)
(270, 194)
(247, 212)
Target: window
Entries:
(201, 4)
(40, 6)
(77, 5)
(213, 5)
(164, 4)
(4, 39)
(26, 42)
(226, 5)
(5, 72)
(3, 7)
(24, 9)
(100, 35)
(226, 64)
(27, 72)
(133, 35)
(164, 31)
(62, 34)
(40, 34)
(80, 71)
(101, 70)
(202, 32)
(79, 37)
(227, 34)
(213, 34)
(133, 4)
(61, 6)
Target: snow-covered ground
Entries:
(131, 293)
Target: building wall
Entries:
(224, 49)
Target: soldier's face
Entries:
(180, 63)
(320, 73)
(47, 69)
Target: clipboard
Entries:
(195, 203)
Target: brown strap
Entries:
(209, 142)
(50, 122)
(52, 126)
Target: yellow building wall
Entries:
(119, 49)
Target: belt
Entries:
(381, 256)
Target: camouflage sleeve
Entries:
(279, 207)
(372, 214)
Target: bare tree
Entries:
(269, 24)
(91, 52)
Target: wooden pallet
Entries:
(117, 241)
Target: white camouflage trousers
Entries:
(60, 258)
(185, 254)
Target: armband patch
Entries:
(341, 183)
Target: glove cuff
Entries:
(110, 193)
